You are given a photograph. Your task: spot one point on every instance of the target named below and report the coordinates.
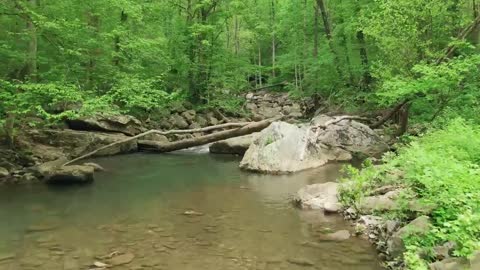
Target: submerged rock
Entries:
(319, 196)
(238, 145)
(121, 259)
(125, 124)
(301, 261)
(75, 174)
(336, 236)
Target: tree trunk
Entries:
(403, 119)
(367, 79)
(316, 29)
(475, 36)
(274, 43)
(94, 22)
(32, 67)
(222, 135)
(9, 127)
(328, 35)
(237, 36)
(260, 81)
(117, 40)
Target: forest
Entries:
(411, 66)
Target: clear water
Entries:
(244, 221)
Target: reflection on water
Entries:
(240, 220)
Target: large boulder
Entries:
(286, 148)
(353, 136)
(125, 124)
(238, 145)
(65, 175)
(319, 196)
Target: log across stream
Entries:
(178, 212)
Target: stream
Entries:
(177, 212)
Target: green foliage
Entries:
(440, 169)
(140, 96)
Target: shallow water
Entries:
(241, 221)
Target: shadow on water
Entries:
(143, 205)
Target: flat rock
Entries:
(125, 124)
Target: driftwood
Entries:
(221, 135)
(240, 128)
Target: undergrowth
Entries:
(440, 169)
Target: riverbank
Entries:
(420, 206)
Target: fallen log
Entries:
(154, 131)
(239, 126)
(159, 147)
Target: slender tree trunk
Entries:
(274, 43)
(32, 66)
(403, 119)
(260, 81)
(117, 40)
(305, 47)
(475, 36)
(237, 35)
(316, 30)
(347, 59)
(367, 79)
(93, 22)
